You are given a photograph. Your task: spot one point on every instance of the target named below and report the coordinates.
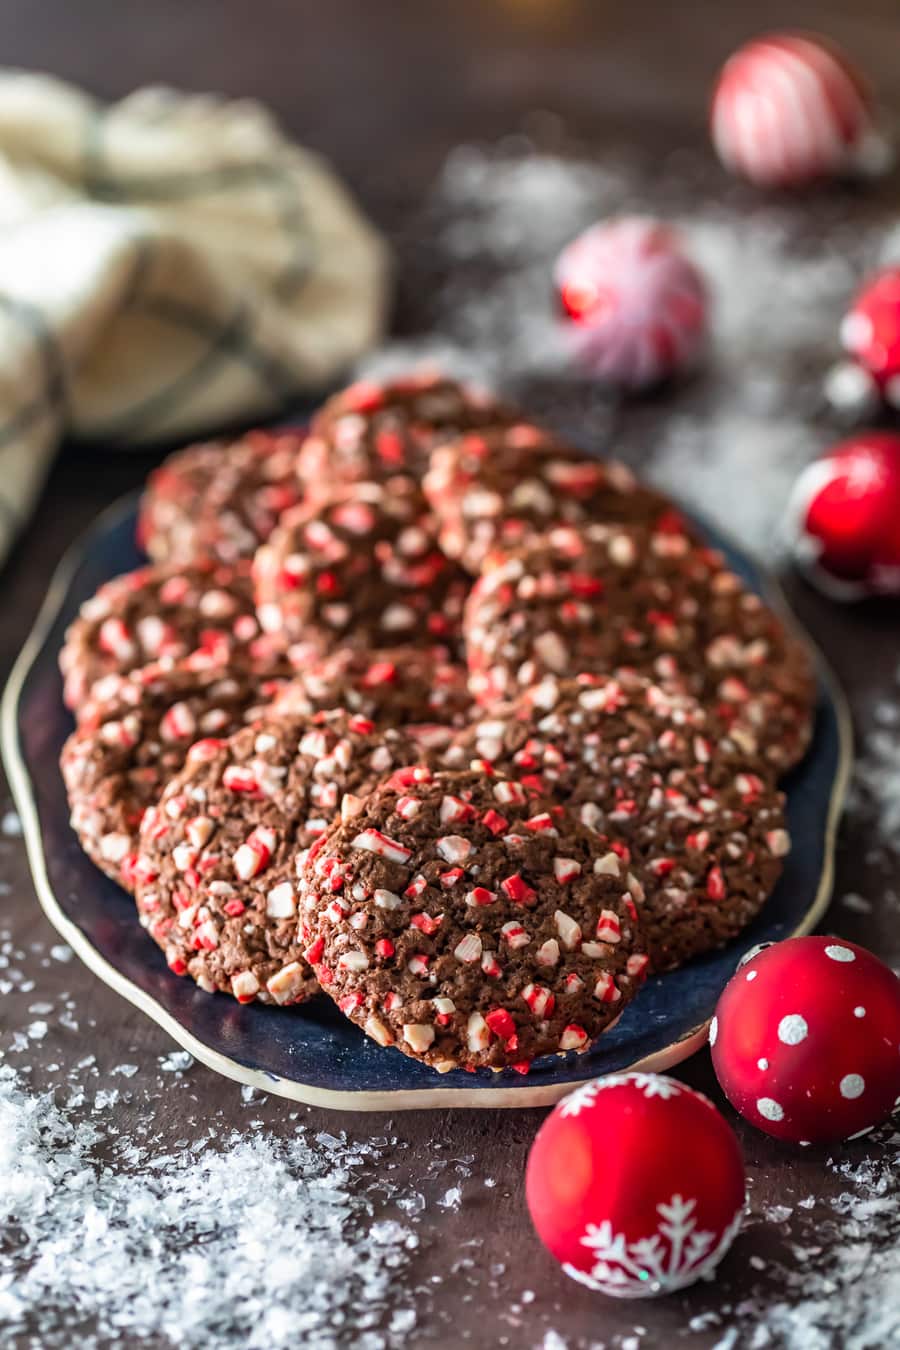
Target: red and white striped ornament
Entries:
(638, 305)
(789, 108)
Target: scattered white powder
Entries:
(11, 825)
(731, 441)
(246, 1240)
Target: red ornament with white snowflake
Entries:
(635, 1183)
(789, 108)
(843, 518)
(637, 304)
(806, 1040)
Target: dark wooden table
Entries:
(387, 90)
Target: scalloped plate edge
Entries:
(544, 1094)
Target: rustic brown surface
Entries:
(386, 90)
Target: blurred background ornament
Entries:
(870, 333)
(790, 108)
(843, 518)
(636, 303)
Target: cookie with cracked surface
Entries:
(372, 431)
(129, 743)
(160, 613)
(360, 567)
(459, 920)
(216, 876)
(652, 770)
(501, 486)
(220, 499)
(599, 597)
(394, 686)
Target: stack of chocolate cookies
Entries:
(435, 714)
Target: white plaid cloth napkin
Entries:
(167, 264)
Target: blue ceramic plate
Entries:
(312, 1053)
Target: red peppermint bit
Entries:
(389, 447)
(636, 966)
(501, 1024)
(327, 583)
(238, 779)
(409, 776)
(314, 951)
(584, 585)
(451, 877)
(427, 923)
(699, 840)
(523, 1067)
(373, 841)
(379, 672)
(350, 1002)
(539, 823)
(494, 821)
(661, 867)
(715, 884)
(454, 809)
(515, 888)
(480, 895)
(385, 948)
(233, 908)
(176, 964)
(364, 726)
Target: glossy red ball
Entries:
(806, 1040)
(843, 519)
(635, 1183)
(870, 331)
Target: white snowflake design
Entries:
(676, 1255)
(650, 1084)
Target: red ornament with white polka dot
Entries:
(843, 519)
(789, 108)
(635, 1183)
(806, 1040)
(637, 303)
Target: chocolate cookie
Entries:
(462, 922)
(395, 687)
(654, 771)
(217, 870)
(503, 485)
(220, 499)
(116, 763)
(371, 432)
(360, 567)
(159, 613)
(599, 597)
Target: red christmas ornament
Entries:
(635, 1183)
(638, 304)
(806, 1040)
(789, 108)
(843, 518)
(870, 332)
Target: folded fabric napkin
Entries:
(168, 264)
